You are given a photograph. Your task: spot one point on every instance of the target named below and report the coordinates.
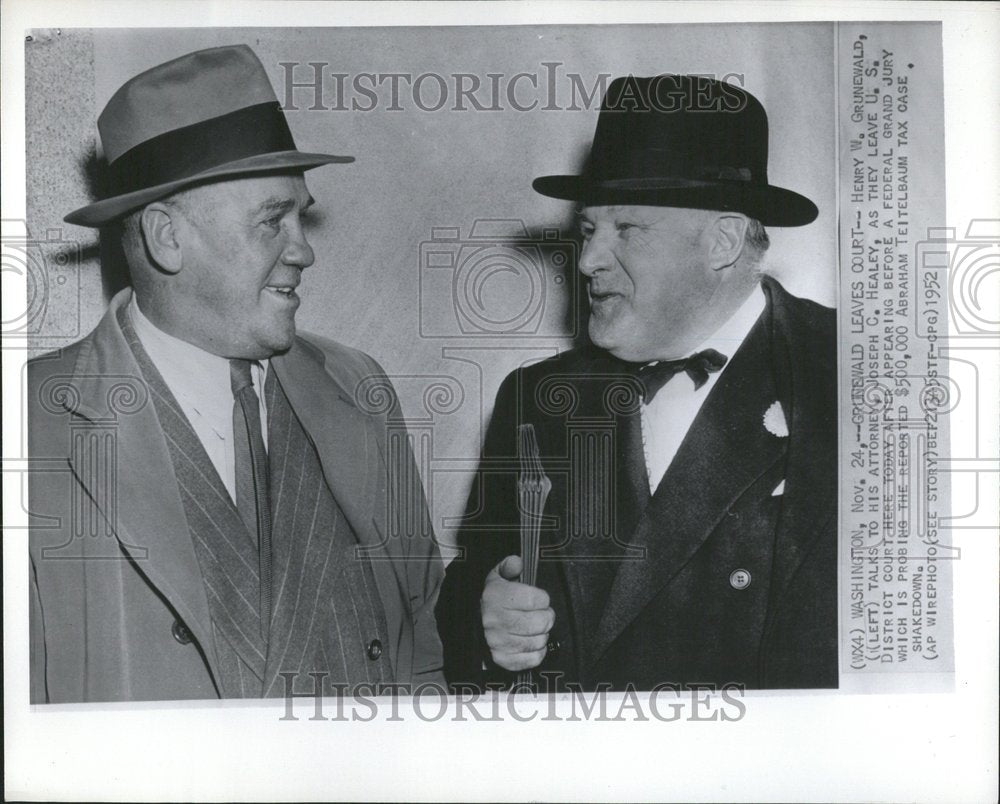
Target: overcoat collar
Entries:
(806, 370)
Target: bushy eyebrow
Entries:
(615, 212)
(282, 205)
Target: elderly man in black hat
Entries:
(690, 532)
(214, 517)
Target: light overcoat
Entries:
(113, 566)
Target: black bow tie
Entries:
(698, 366)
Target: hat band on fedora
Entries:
(654, 164)
(706, 176)
(185, 152)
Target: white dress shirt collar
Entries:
(200, 383)
(670, 414)
(198, 379)
(728, 338)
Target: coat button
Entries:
(374, 649)
(181, 632)
(740, 579)
(553, 647)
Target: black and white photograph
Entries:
(413, 398)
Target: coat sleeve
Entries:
(425, 574)
(36, 657)
(427, 652)
(489, 532)
(424, 567)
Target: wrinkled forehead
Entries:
(647, 214)
(249, 194)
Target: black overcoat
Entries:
(715, 578)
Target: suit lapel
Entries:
(145, 509)
(342, 433)
(726, 449)
(633, 480)
(350, 453)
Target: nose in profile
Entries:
(596, 255)
(298, 252)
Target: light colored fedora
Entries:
(206, 116)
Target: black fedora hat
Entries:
(681, 141)
(206, 116)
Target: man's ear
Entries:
(160, 234)
(725, 240)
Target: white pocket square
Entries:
(774, 420)
(779, 489)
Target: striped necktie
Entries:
(252, 496)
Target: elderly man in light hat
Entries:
(217, 521)
(690, 532)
